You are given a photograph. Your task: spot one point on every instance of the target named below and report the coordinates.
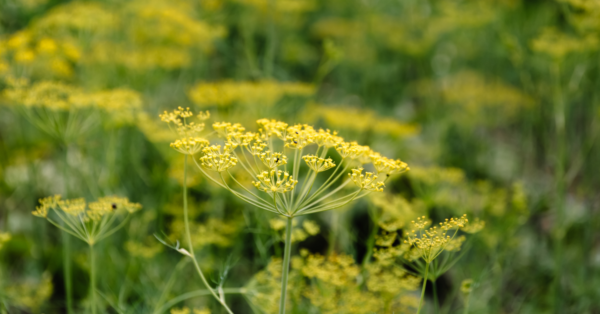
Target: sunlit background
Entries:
(494, 105)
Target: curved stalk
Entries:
(466, 311)
(285, 268)
(423, 290)
(93, 279)
(189, 237)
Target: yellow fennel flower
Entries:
(273, 181)
(367, 181)
(216, 160)
(90, 222)
(318, 164)
(273, 160)
(188, 132)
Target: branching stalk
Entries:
(285, 268)
(189, 238)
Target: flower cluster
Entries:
(227, 93)
(90, 222)
(264, 156)
(430, 243)
(318, 164)
(189, 141)
(216, 160)
(272, 181)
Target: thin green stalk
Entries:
(559, 174)
(189, 237)
(67, 269)
(423, 290)
(93, 279)
(333, 232)
(285, 268)
(435, 297)
(466, 310)
(67, 275)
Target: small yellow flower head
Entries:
(318, 164)
(221, 128)
(110, 204)
(204, 115)
(216, 160)
(455, 244)
(4, 237)
(46, 203)
(474, 227)
(273, 160)
(352, 150)
(272, 181)
(311, 227)
(277, 224)
(74, 207)
(386, 239)
(366, 157)
(190, 145)
(269, 128)
(236, 139)
(420, 223)
(428, 244)
(257, 147)
(388, 166)
(454, 223)
(189, 142)
(299, 136)
(176, 115)
(367, 181)
(226, 128)
(466, 287)
(183, 310)
(327, 139)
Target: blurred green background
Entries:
(494, 104)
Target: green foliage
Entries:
(493, 104)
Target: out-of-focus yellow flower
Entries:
(29, 293)
(359, 120)
(477, 99)
(142, 250)
(264, 93)
(432, 242)
(121, 104)
(4, 237)
(90, 222)
(558, 45)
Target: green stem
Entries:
(466, 311)
(67, 270)
(423, 290)
(93, 279)
(285, 268)
(189, 238)
(67, 275)
(435, 296)
(559, 173)
(333, 232)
